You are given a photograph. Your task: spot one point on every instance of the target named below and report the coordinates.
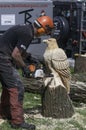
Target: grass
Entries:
(32, 109)
(31, 100)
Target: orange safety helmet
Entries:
(44, 25)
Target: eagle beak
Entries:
(44, 41)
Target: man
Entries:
(13, 45)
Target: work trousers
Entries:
(12, 91)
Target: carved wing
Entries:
(60, 63)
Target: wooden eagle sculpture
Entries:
(57, 63)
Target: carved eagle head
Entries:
(51, 43)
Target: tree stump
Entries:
(56, 102)
(80, 63)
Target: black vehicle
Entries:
(69, 17)
(70, 25)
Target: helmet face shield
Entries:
(39, 29)
(37, 24)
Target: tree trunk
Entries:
(80, 63)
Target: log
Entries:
(78, 92)
(77, 87)
(33, 85)
(80, 63)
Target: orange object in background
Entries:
(32, 67)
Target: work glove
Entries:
(25, 72)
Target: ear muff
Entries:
(40, 31)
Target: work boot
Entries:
(23, 125)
